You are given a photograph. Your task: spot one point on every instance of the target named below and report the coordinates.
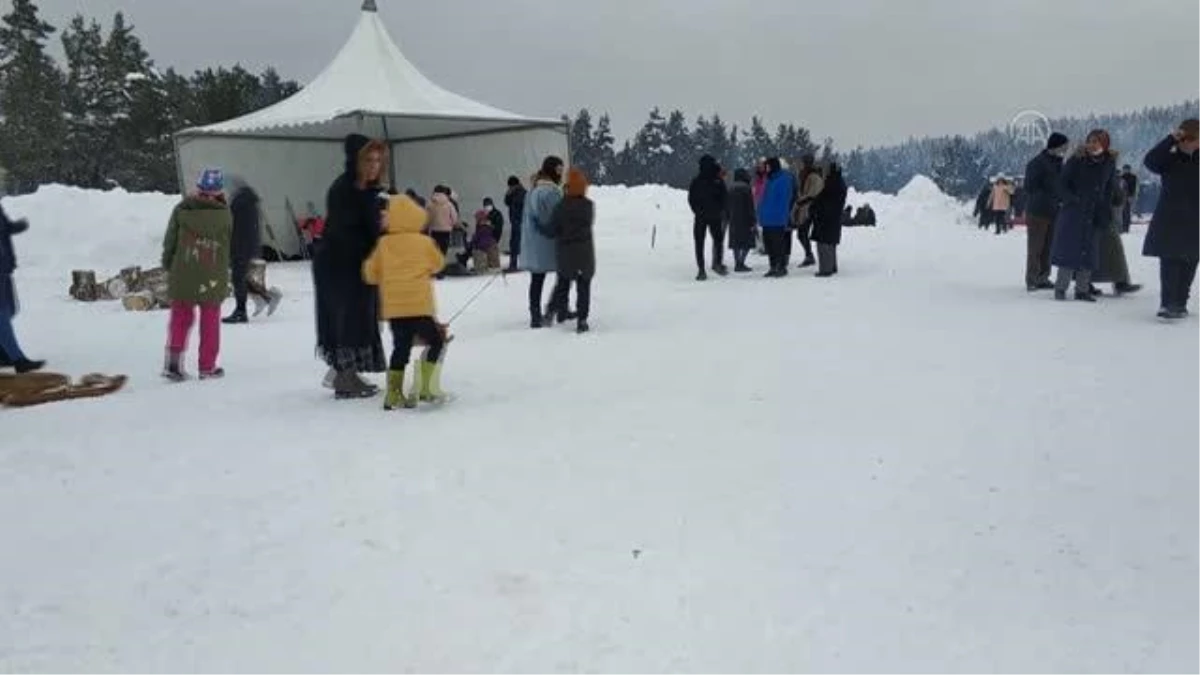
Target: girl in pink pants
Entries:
(196, 256)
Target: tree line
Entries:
(106, 117)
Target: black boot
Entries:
(238, 316)
(28, 365)
(1125, 288)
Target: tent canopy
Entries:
(369, 85)
(290, 152)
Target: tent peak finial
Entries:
(369, 6)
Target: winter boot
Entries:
(214, 374)
(430, 386)
(721, 270)
(395, 391)
(238, 316)
(327, 381)
(173, 367)
(702, 276)
(23, 366)
(809, 261)
(1084, 296)
(276, 297)
(347, 385)
(582, 326)
(1126, 288)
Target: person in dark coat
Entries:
(514, 199)
(775, 216)
(706, 197)
(865, 216)
(1114, 267)
(1085, 191)
(1129, 184)
(495, 218)
(742, 216)
(982, 206)
(245, 246)
(572, 222)
(827, 219)
(1041, 209)
(11, 355)
(1174, 233)
(347, 308)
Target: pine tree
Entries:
(583, 154)
(603, 143)
(959, 168)
(759, 144)
(649, 155)
(31, 100)
(89, 106)
(680, 164)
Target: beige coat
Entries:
(1002, 193)
(808, 192)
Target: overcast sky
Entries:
(861, 71)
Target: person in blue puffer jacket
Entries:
(774, 215)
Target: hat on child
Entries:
(1056, 140)
(211, 181)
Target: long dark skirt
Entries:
(347, 321)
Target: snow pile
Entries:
(72, 228)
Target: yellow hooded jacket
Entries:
(404, 262)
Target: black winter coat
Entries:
(497, 220)
(1085, 190)
(827, 211)
(246, 243)
(8, 262)
(347, 308)
(1175, 227)
(514, 199)
(742, 216)
(1041, 185)
(707, 194)
(572, 222)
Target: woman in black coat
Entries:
(827, 220)
(575, 247)
(1174, 234)
(1085, 191)
(11, 355)
(347, 308)
(742, 219)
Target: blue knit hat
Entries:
(211, 181)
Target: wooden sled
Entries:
(30, 389)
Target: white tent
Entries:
(290, 152)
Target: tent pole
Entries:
(387, 138)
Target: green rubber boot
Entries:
(395, 390)
(430, 389)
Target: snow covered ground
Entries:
(915, 466)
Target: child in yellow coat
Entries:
(403, 265)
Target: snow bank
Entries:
(72, 228)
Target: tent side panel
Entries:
(281, 171)
(477, 166)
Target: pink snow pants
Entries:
(183, 314)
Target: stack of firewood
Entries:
(138, 290)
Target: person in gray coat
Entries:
(742, 216)
(244, 246)
(1174, 233)
(538, 251)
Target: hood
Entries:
(404, 216)
(709, 167)
(741, 176)
(204, 215)
(353, 145)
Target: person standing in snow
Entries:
(1174, 233)
(1129, 185)
(11, 355)
(514, 199)
(1001, 202)
(742, 216)
(1085, 191)
(809, 184)
(402, 265)
(774, 216)
(347, 308)
(1114, 267)
(494, 217)
(1041, 184)
(983, 204)
(245, 246)
(572, 222)
(827, 220)
(538, 251)
(196, 257)
(706, 197)
(443, 216)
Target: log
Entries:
(83, 285)
(142, 301)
